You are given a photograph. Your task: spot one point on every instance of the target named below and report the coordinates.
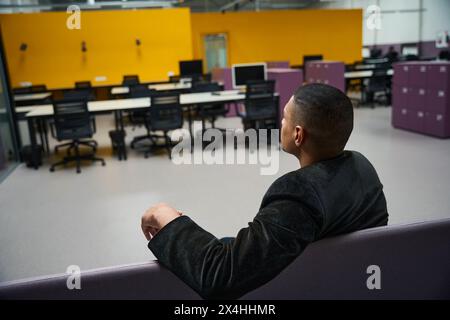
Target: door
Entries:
(216, 51)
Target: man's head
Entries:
(317, 122)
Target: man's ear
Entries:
(299, 135)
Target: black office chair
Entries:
(260, 105)
(138, 117)
(39, 88)
(73, 122)
(31, 89)
(378, 83)
(23, 90)
(83, 95)
(83, 85)
(130, 80)
(165, 114)
(174, 79)
(210, 111)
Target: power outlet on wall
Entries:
(100, 78)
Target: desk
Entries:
(363, 74)
(158, 87)
(31, 96)
(37, 112)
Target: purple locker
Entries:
(437, 124)
(417, 75)
(438, 75)
(398, 99)
(311, 72)
(437, 100)
(416, 98)
(417, 120)
(400, 118)
(401, 73)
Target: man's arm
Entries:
(217, 270)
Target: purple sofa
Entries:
(414, 262)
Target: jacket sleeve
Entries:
(227, 270)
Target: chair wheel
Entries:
(78, 171)
(52, 169)
(103, 163)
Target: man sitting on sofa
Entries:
(333, 192)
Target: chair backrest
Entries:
(260, 101)
(174, 78)
(72, 120)
(379, 80)
(165, 112)
(130, 80)
(140, 91)
(206, 87)
(39, 88)
(259, 88)
(78, 95)
(83, 85)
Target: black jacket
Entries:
(328, 198)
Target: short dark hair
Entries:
(326, 113)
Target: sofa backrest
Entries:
(408, 262)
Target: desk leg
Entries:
(121, 120)
(45, 126)
(33, 142)
(190, 120)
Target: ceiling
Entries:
(195, 5)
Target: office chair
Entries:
(174, 79)
(137, 117)
(76, 96)
(379, 82)
(130, 80)
(73, 122)
(39, 88)
(23, 90)
(444, 55)
(83, 85)
(210, 111)
(165, 114)
(31, 89)
(260, 106)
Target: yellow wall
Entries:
(283, 35)
(54, 54)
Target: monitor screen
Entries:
(410, 51)
(191, 67)
(241, 73)
(309, 58)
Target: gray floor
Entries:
(49, 221)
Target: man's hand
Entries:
(156, 218)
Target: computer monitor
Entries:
(365, 52)
(410, 50)
(191, 67)
(308, 58)
(244, 72)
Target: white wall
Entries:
(400, 19)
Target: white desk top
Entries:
(32, 96)
(159, 87)
(124, 104)
(364, 74)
